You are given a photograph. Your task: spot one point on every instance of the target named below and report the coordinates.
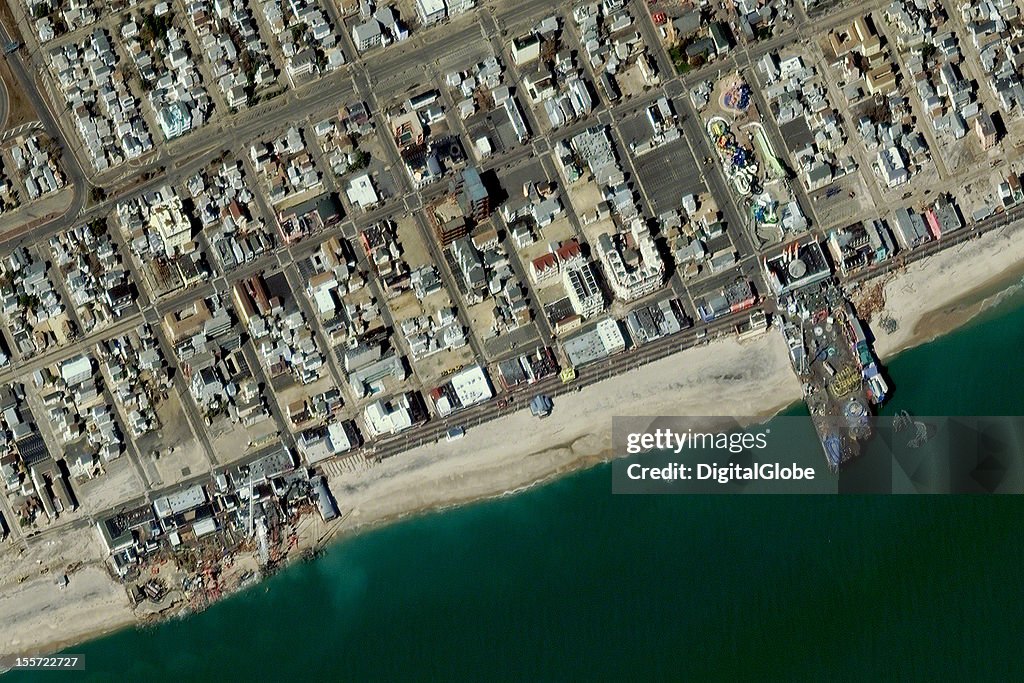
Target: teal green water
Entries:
(567, 582)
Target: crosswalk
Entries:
(19, 130)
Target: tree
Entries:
(878, 111)
(361, 161)
(130, 73)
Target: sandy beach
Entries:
(927, 299)
(715, 379)
(725, 377)
(38, 614)
(936, 295)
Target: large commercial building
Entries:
(860, 244)
(472, 195)
(168, 219)
(600, 341)
(911, 228)
(393, 415)
(799, 265)
(465, 388)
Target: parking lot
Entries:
(667, 174)
(496, 127)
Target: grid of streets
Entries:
(353, 232)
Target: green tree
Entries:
(361, 161)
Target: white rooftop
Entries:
(471, 386)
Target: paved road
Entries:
(69, 162)
(399, 61)
(519, 397)
(382, 66)
(5, 104)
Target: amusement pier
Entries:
(829, 349)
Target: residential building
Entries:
(632, 266)
(472, 195)
(985, 129)
(525, 49)
(407, 130)
(431, 11)
(175, 120)
(891, 167)
(76, 370)
(544, 268)
(584, 293)
(367, 35)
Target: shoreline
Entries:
(441, 476)
(920, 294)
(970, 306)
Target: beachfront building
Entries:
(465, 388)
(860, 244)
(391, 416)
(799, 265)
(603, 339)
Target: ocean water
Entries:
(567, 582)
